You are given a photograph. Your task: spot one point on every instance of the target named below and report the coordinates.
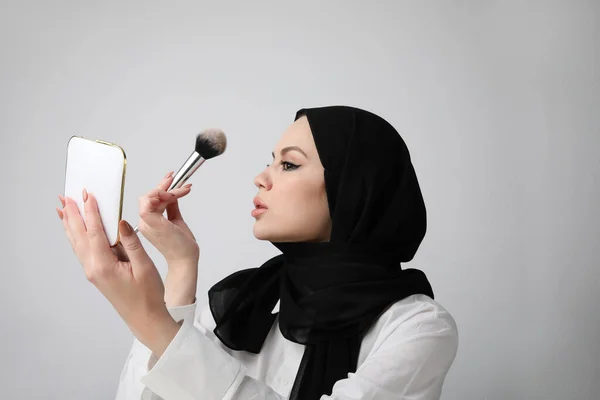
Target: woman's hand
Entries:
(171, 236)
(125, 275)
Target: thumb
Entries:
(133, 247)
(173, 212)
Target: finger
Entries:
(182, 191)
(164, 194)
(99, 245)
(173, 212)
(75, 227)
(63, 219)
(59, 211)
(166, 182)
(174, 194)
(148, 206)
(167, 195)
(65, 222)
(120, 252)
(174, 215)
(157, 200)
(152, 199)
(133, 247)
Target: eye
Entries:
(288, 166)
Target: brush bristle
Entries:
(211, 143)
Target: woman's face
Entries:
(292, 189)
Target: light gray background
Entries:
(498, 101)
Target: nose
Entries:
(263, 180)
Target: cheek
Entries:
(299, 211)
(307, 204)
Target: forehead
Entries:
(298, 134)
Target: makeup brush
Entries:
(209, 143)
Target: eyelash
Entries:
(291, 166)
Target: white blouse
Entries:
(404, 355)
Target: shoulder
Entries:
(418, 308)
(409, 349)
(417, 319)
(406, 353)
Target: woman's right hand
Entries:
(170, 235)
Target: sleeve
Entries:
(137, 362)
(411, 362)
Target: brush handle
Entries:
(194, 161)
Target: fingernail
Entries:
(62, 200)
(85, 195)
(189, 185)
(167, 176)
(126, 229)
(60, 213)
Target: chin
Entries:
(262, 232)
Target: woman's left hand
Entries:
(125, 274)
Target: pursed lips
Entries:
(258, 203)
(259, 207)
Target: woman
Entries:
(343, 204)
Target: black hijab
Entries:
(331, 293)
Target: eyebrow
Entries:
(289, 148)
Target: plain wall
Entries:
(498, 101)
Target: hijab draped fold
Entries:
(332, 292)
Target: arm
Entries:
(180, 285)
(141, 359)
(410, 363)
(176, 242)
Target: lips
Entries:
(258, 203)
(259, 207)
